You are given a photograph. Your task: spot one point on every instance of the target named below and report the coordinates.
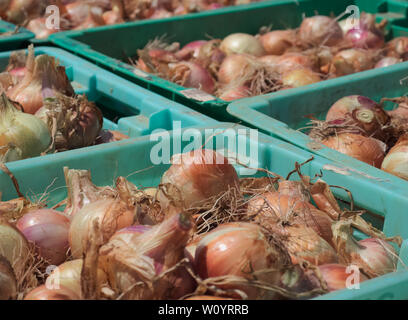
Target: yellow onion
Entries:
(112, 214)
(337, 275)
(13, 247)
(197, 176)
(299, 77)
(366, 149)
(293, 189)
(240, 249)
(278, 41)
(397, 47)
(293, 60)
(351, 61)
(43, 293)
(273, 208)
(320, 31)
(8, 282)
(68, 276)
(145, 256)
(233, 67)
(242, 43)
(22, 135)
(396, 160)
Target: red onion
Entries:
(366, 39)
(278, 41)
(387, 61)
(48, 230)
(43, 293)
(39, 28)
(21, 10)
(190, 50)
(192, 75)
(320, 30)
(242, 43)
(197, 175)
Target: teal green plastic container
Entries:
(283, 114)
(16, 40)
(127, 108)
(124, 40)
(136, 159)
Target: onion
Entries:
(366, 39)
(190, 50)
(75, 121)
(293, 60)
(21, 10)
(270, 60)
(207, 298)
(396, 161)
(39, 28)
(276, 208)
(68, 275)
(299, 77)
(43, 293)
(146, 257)
(346, 105)
(397, 47)
(112, 214)
(233, 67)
(325, 200)
(197, 176)
(48, 230)
(8, 281)
(336, 276)
(387, 61)
(235, 93)
(43, 74)
(374, 256)
(352, 61)
(210, 55)
(239, 249)
(294, 189)
(346, 26)
(191, 75)
(366, 149)
(278, 41)
(21, 135)
(13, 247)
(242, 43)
(77, 12)
(106, 136)
(320, 30)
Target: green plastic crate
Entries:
(124, 40)
(132, 158)
(127, 108)
(284, 113)
(14, 41)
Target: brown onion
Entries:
(278, 41)
(320, 30)
(299, 77)
(351, 61)
(396, 160)
(336, 276)
(366, 149)
(233, 67)
(197, 176)
(242, 43)
(235, 93)
(293, 60)
(387, 61)
(8, 281)
(43, 293)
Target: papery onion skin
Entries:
(48, 230)
(113, 214)
(198, 175)
(68, 275)
(336, 276)
(236, 93)
(293, 60)
(233, 67)
(8, 281)
(366, 149)
(242, 43)
(278, 41)
(346, 105)
(396, 160)
(238, 249)
(190, 50)
(299, 77)
(43, 293)
(397, 47)
(320, 30)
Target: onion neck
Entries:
(7, 109)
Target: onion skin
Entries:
(346, 105)
(397, 47)
(299, 77)
(236, 93)
(336, 276)
(293, 60)
(320, 30)
(278, 41)
(198, 175)
(233, 67)
(8, 282)
(48, 230)
(112, 214)
(368, 150)
(364, 39)
(242, 43)
(387, 61)
(207, 298)
(276, 208)
(190, 50)
(396, 160)
(351, 61)
(42, 293)
(238, 249)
